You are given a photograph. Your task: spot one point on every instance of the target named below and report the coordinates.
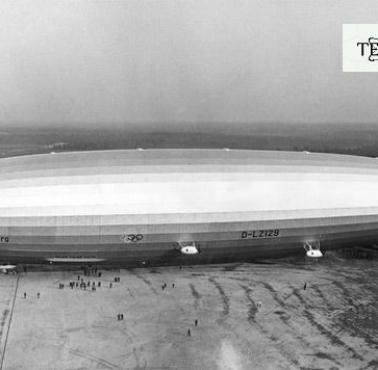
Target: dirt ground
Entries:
(284, 315)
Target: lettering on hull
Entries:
(4, 239)
(259, 234)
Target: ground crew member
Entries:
(258, 305)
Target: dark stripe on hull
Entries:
(167, 254)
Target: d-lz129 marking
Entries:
(252, 234)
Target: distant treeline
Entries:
(357, 140)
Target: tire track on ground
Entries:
(232, 267)
(282, 303)
(245, 340)
(333, 338)
(252, 307)
(130, 336)
(284, 317)
(328, 304)
(3, 321)
(373, 364)
(244, 280)
(10, 322)
(196, 295)
(251, 318)
(355, 330)
(345, 291)
(97, 360)
(281, 349)
(145, 280)
(224, 297)
(275, 341)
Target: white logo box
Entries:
(360, 47)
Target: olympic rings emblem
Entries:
(132, 238)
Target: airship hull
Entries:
(137, 207)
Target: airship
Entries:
(175, 206)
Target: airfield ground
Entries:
(250, 316)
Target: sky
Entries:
(103, 63)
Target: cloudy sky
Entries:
(119, 62)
